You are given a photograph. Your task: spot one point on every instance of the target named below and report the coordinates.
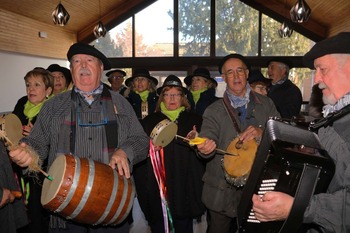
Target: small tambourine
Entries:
(10, 128)
(163, 133)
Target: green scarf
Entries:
(172, 114)
(197, 94)
(31, 110)
(143, 95)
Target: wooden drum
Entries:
(163, 133)
(237, 168)
(87, 191)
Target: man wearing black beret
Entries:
(116, 79)
(89, 121)
(330, 211)
(285, 94)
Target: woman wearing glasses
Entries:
(170, 194)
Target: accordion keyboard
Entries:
(265, 186)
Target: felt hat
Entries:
(172, 81)
(63, 70)
(256, 76)
(285, 61)
(141, 73)
(112, 71)
(235, 55)
(202, 72)
(81, 48)
(336, 44)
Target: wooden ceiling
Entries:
(328, 18)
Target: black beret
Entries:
(63, 70)
(235, 55)
(336, 44)
(112, 71)
(283, 60)
(81, 48)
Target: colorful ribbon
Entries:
(157, 160)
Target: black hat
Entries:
(63, 70)
(112, 71)
(202, 72)
(336, 44)
(141, 73)
(236, 55)
(285, 61)
(81, 48)
(172, 81)
(256, 76)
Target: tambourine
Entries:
(237, 168)
(11, 128)
(163, 133)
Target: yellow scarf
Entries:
(31, 110)
(172, 114)
(143, 95)
(197, 94)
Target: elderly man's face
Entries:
(332, 75)
(235, 74)
(116, 79)
(86, 72)
(276, 71)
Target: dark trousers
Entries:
(220, 223)
(78, 228)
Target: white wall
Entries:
(13, 68)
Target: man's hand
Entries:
(207, 147)
(120, 161)
(272, 206)
(250, 133)
(21, 156)
(7, 197)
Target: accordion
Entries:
(290, 160)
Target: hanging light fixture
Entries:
(285, 30)
(100, 29)
(300, 12)
(60, 15)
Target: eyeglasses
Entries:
(168, 96)
(239, 71)
(87, 119)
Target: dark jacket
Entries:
(206, 98)
(19, 110)
(287, 98)
(183, 169)
(135, 100)
(12, 215)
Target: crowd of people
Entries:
(71, 111)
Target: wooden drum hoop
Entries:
(11, 128)
(163, 133)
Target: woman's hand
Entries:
(27, 129)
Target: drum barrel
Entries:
(87, 191)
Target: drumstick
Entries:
(9, 142)
(217, 149)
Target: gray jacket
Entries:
(218, 195)
(331, 210)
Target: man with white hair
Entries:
(330, 211)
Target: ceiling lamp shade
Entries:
(60, 15)
(100, 30)
(285, 30)
(300, 12)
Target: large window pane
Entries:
(117, 42)
(237, 28)
(154, 30)
(273, 45)
(194, 28)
